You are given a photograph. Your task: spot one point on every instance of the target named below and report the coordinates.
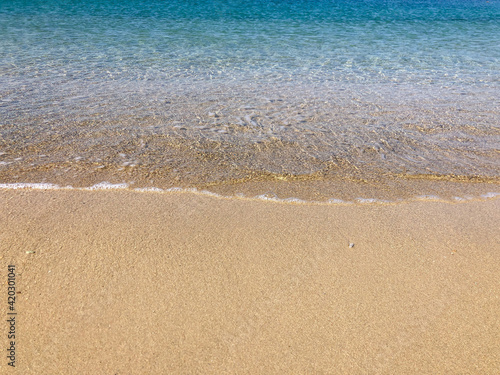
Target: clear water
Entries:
(211, 93)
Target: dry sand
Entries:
(178, 283)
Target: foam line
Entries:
(264, 197)
(106, 186)
(22, 185)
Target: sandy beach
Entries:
(121, 282)
(250, 187)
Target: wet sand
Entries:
(123, 282)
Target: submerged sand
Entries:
(123, 282)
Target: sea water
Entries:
(315, 99)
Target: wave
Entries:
(270, 196)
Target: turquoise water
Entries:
(213, 91)
(394, 41)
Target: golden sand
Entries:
(123, 282)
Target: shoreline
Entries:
(123, 282)
(468, 192)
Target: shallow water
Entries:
(313, 99)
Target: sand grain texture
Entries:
(145, 283)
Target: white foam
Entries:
(269, 196)
(266, 197)
(490, 195)
(274, 198)
(463, 199)
(294, 200)
(195, 191)
(107, 186)
(337, 201)
(209, 193)
(151, 189)
(39, 186)
(370, 200)
(428, 198)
